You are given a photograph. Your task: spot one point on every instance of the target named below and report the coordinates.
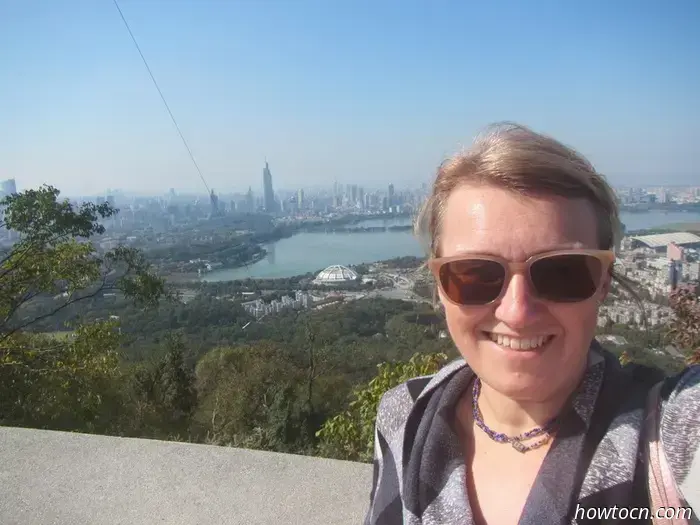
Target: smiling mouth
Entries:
(516, 343)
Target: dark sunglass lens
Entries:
(472, 282)
(566, 278)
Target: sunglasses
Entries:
(562, 276)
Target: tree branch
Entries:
(44, 350)
(28, 250)
(70, 301)
(27, 297)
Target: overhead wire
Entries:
(162, 97)
(179, 131)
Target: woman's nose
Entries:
(518, 307)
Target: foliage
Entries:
(641, 337)
(73, 357)
(266, 288)
(47, 382)
(642, 346)
(658, 359)
(52, 382)
(685, 328)
(251, 397)
(408, 262)
(350, 435)
(160, 396)
(624, 358)
(178, 397)
(55, 259)
(230, 251)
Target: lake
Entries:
(311, 252)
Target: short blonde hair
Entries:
(515, 158)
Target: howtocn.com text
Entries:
(633, 513)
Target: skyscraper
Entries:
(268, 193)
(7, 187)
(214, 202)
(250, 201)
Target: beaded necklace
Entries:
(515, 441)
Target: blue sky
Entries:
(361, 91)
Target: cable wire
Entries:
(155, 83)
(184, 141)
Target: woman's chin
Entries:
(522, 389)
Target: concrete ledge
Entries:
(77, 479)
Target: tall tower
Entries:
(8, 187)
(268, 193)
(214, 202)
(250, 201)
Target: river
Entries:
(311, 252)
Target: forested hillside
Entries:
(95, 341)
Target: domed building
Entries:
(336, 274)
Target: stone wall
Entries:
(77, 479)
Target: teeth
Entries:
(519, 344)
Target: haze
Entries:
(362, 92)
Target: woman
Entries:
(537, 423)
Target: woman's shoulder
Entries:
(680, 401)
(398, 402)
(682, 386)
(680, 430)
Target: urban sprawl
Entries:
(188, 235)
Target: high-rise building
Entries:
(674, 274)
(214, 203)
(390, 197)
(300, 199)
(249, 201)
(8, 187)
(268, 194)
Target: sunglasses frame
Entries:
(606, 257)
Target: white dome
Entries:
(336, 274)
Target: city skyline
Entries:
(368, 94)
(335, 189)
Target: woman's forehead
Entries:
(491, 220)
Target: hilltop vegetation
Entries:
(96, 342)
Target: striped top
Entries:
(595, 459)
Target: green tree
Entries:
(684, 331)
(624, 358)
(60, 382)
(62, 385)
(177, 385)
(361, 269)
(159, 394)
(140, 416)
(251, 396)
(350, 435)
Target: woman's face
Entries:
(492, 221)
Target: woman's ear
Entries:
(605, 289)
